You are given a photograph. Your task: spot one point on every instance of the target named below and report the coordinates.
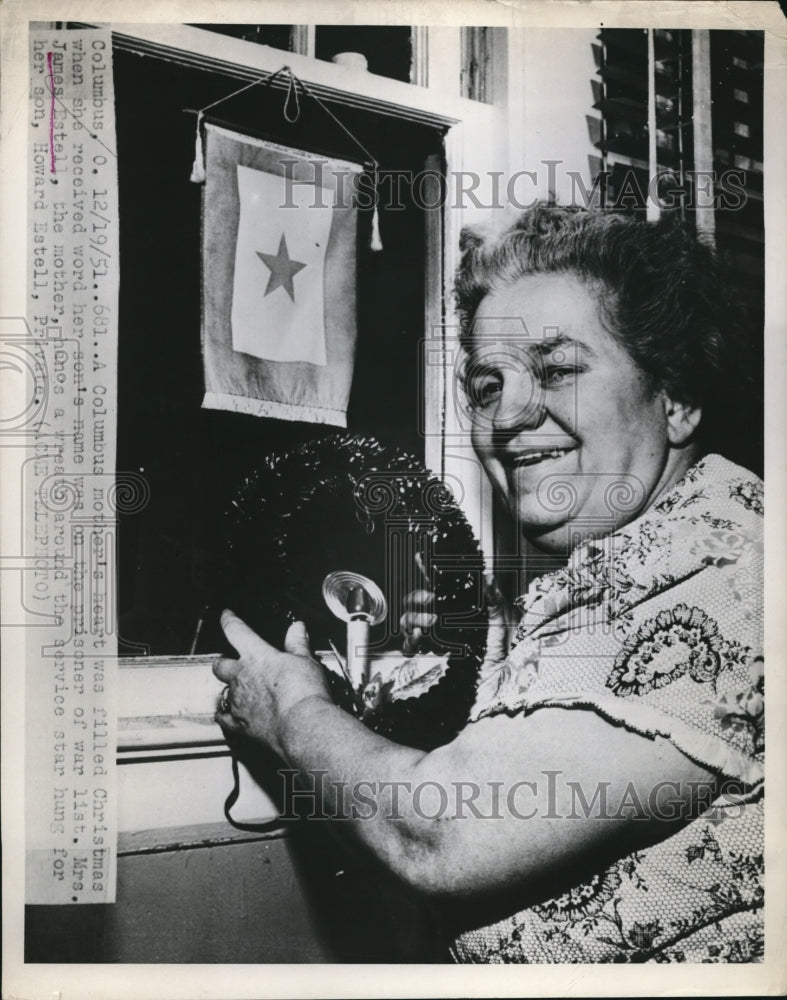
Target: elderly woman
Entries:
(604, 801)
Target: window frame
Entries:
(427, 100)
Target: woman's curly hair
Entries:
(661, 292)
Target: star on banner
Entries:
(282, 269)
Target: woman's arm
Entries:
(513, 803)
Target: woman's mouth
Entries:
(535, 456)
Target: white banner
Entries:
(275, 317)
(279, 319)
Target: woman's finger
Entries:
(411, 642)
(243, 639)
(413, 625)
(496, 636)
(228, 722)
(297, 640)
(225, 668)
(418, 600)
(414, 619)
(497, 630)
(492, 592)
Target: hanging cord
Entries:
(263, 80)
(375, 242)
(234, 795)
(292, 92)
(342, 126)
(232, 798)
(198, 169)
(291, 112)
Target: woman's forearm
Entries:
(484, 813)
(366, 785)
(497, 808)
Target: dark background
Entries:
(193, 458)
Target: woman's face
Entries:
(572, 436)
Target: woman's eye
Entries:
(560, 374)
(485, 391)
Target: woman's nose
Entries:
(521, 405)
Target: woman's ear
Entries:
(682, 420)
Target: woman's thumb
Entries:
(297, 640)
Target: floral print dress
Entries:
(657, 627)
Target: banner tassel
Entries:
(198, 169)
(375, 242)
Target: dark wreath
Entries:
(345, 502)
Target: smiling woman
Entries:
(527, 429)
(622, 735)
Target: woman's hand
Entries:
(263, 684)
(416, 619)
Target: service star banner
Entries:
(279, 280)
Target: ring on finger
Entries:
(224, 700)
